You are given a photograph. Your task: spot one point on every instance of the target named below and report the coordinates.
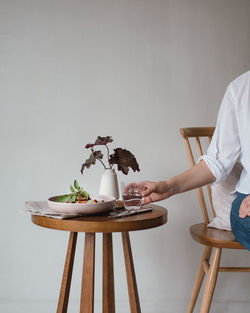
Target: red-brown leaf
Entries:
(91, 160)
(103, 140)
(124, 160)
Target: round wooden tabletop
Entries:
(104, 224)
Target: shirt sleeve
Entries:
(224, 149)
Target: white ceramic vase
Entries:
(109, 183)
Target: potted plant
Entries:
(123, 158)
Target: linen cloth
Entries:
(42, 208)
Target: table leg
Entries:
(130, 272)
(108, 294)
(62, 306)
(88, 275)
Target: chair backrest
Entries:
(194, 134)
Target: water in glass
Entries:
(132, 201)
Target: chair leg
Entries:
(211, 281)
(130, 271)
(88, 275)
(62, 306)
(199, 278)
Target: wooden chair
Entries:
(214, 240)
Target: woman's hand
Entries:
(153, 191)
(245, 207)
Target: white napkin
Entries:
(42, 208)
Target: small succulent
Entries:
(77, 194)
(123, 158)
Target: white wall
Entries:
(138, 71)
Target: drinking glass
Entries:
(131, 196)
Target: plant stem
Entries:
(102, 163)
(108, 152)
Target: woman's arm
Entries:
(197, 176)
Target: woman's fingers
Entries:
(151, 191)
(245, 208)
(146, 200)
(150, 198)
(146, 191)
(146, 188)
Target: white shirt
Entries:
(231, 139)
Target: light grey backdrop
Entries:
(135, 70)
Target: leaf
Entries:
(124, 159)
(89, 145)
(85, 194)
(103, 140)
(99, 142)
(72, 188)
(63, 198)
(76, 185)
(73, 199)
(91, 160)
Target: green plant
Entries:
(77, 194)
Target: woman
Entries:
(231, 142)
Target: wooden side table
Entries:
(103, 224)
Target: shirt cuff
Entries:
(215, 167)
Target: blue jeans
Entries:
(240, 226)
